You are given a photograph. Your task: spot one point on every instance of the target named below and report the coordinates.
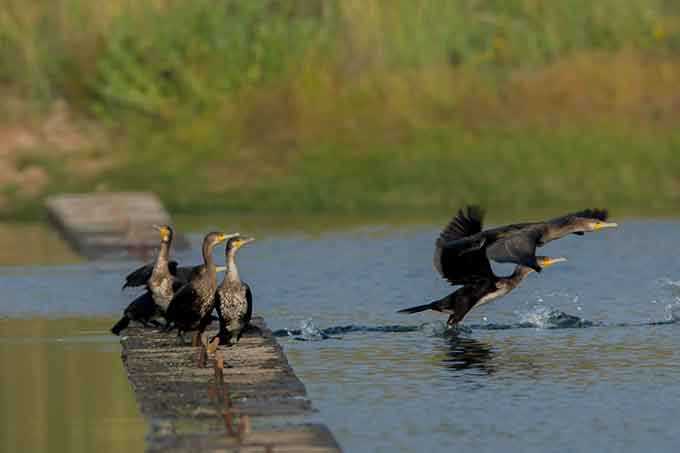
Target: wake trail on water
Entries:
(537, 318)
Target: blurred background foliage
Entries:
(342, 105)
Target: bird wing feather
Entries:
(249, 298)
(181, 309)
(518, 247)
(456, 259)
(141, 275)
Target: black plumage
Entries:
(141, 275)
(470, 269)
(192, 304)
(160, 286)
(142, 310)
(516, 243)
(233, 299)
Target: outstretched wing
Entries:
(517, 247)
(453, 259)
(465, 223)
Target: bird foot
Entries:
(213, 344)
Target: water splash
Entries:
(309, 332)
(665, 281)
(539, 317)
(673, 311)
(543, 317)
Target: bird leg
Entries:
(213, 344)
(180, 338)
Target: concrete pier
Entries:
(98, 224)
(242, 398)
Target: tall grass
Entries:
(222, 94)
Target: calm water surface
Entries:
(580, 358)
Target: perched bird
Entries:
(192, 304)
(162, 283)
(160, 286)
(471, 269)
(142, 275)
(234, 300)
(142, 309)
(514, 243)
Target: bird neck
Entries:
(161, 264)
(208, 259)
(231, 273)
(518, 275)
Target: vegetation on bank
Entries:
(343, 105)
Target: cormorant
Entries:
(192, 304)
(142, 275)
(514, 243)
(479, 292)
(142, 309)
(234, 300)
(160, 286)
(471, 269)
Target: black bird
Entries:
(192, 304)
(142, 309)
(472, 269)
(162, 283)
(142, 275)
(514, 243)
(234, 300)
(479, 291)
(160, 287)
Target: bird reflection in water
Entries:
(467, 354)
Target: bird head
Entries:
(165, 231)
(217, 237)
(237, 242)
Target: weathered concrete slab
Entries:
(309, 438)
(209, 392)
(97, 224)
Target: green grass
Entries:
(356, 106)
(509, 171)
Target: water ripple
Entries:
(538, 318)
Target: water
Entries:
(580, 358)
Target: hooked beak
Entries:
(241, 242)
(547, 261)
(602, 225)
(226, 237)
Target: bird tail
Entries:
(417, 308)
(120, 325)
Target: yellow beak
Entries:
(547, 262)
(601, 225)
(226, 237)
